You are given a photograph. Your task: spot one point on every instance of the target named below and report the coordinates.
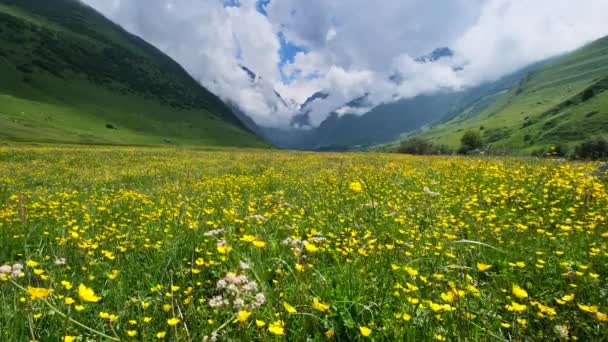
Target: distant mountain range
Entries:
(559, 100)
(70, 75)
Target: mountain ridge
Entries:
(69, 74)
(563, 102)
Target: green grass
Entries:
(374, 238)
(67, 72)
(535, 113)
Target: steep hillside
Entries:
(71, 75)
(564, 102)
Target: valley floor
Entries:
(150, 244)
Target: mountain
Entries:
(70, 75)
(436, 55)
(562, 102)
(346, 128)
(388, 122)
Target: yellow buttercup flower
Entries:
(173, 321)
(259, 244)
(516, 307)
(289, 308)
(365, 331)
(317, 305)
(356, 186)
(588, 308)
(243, 316)
(277, 328)
(483, 267)
(38, 292)
(519, 292)
(87, 294)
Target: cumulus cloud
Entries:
(353, 48)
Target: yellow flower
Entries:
(483, 267)
(132, 333)
(546, 310)
(173, 321)
(505, 325)
(243, 316)
(277, 328)
(248, 238)
(330, 333)
(356, 186)
(435, 307)
(588, 308)
(519, 292)
(448, 297)
(110, 317)
(289, 308)
(87, 294)
(113, 275)
(68, 338)
(161, 335)
(365, 331)
(31, 263)
(259, 244)
(259, 323)
(311, 248)
(166, 307)
(66, 284)
(516, 307)
(317, 305)
(38, 292)
(79, 307)
(223, 249)
(69, 300)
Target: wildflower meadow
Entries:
(153, 244)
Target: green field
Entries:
(69, 75)
(149, 244)
(564, 102)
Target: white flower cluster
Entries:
(237, 292)
(297, 244)
(15, 271)
(214, 232)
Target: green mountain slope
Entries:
(563, 102)
(67, 74)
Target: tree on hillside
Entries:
(470, 141)
(420, 146)
(593, 149)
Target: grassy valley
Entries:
(563, 102)
(71, 76)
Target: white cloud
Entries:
(353, 47)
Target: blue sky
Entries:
(287, 51)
